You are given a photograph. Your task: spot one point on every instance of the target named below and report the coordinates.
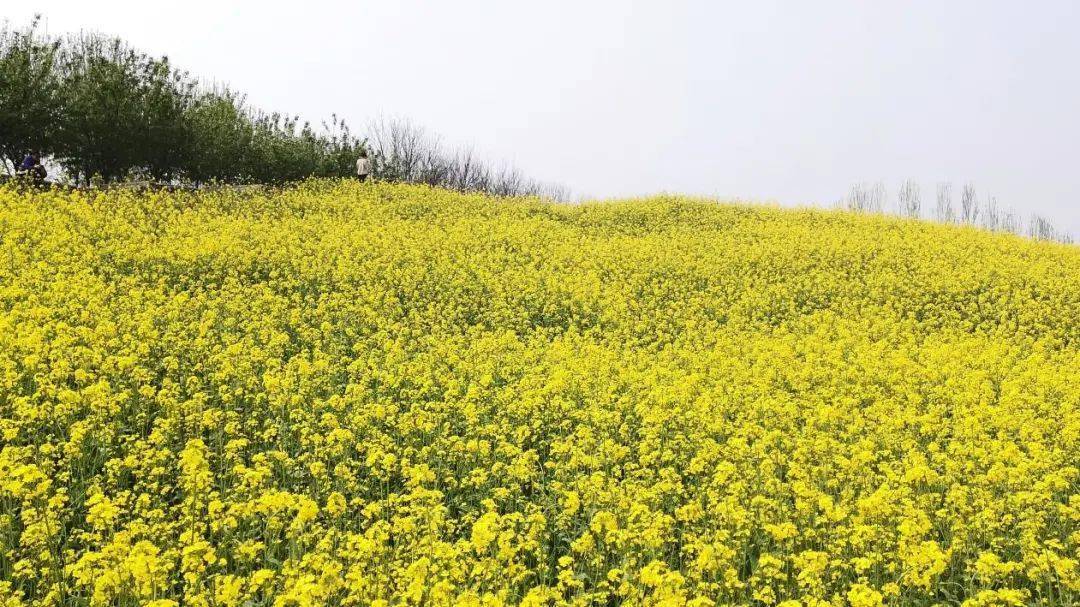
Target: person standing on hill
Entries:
(363, 166)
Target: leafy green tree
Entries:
(29, 92)
(102, 130)
(220, 134)
(124, 113)
(340, 149)
(167, 145)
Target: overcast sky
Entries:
(787, 101)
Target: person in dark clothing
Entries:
(28, 163)
(32, 169)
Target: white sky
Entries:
(767, 100)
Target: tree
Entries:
(991, 216)
(944, 210)
(404, 151)
(165, 96)
(340, 149)
(865, 198)
(910, 199)
(969, 205)
(220, 133)
(104, 127)
(29, 93)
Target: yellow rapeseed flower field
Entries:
(346, 394)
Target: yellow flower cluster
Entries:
(372, 394)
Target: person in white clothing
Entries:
(363, 166)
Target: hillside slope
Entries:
(341, 394)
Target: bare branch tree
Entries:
(1041, 228)
(991, 216)
(405, 151)
(910, 199)
(969, 205)
(878, 197)
(1011, 223)
(856, 198)
(944, 212)
(866, 198)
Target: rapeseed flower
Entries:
(376, 394)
